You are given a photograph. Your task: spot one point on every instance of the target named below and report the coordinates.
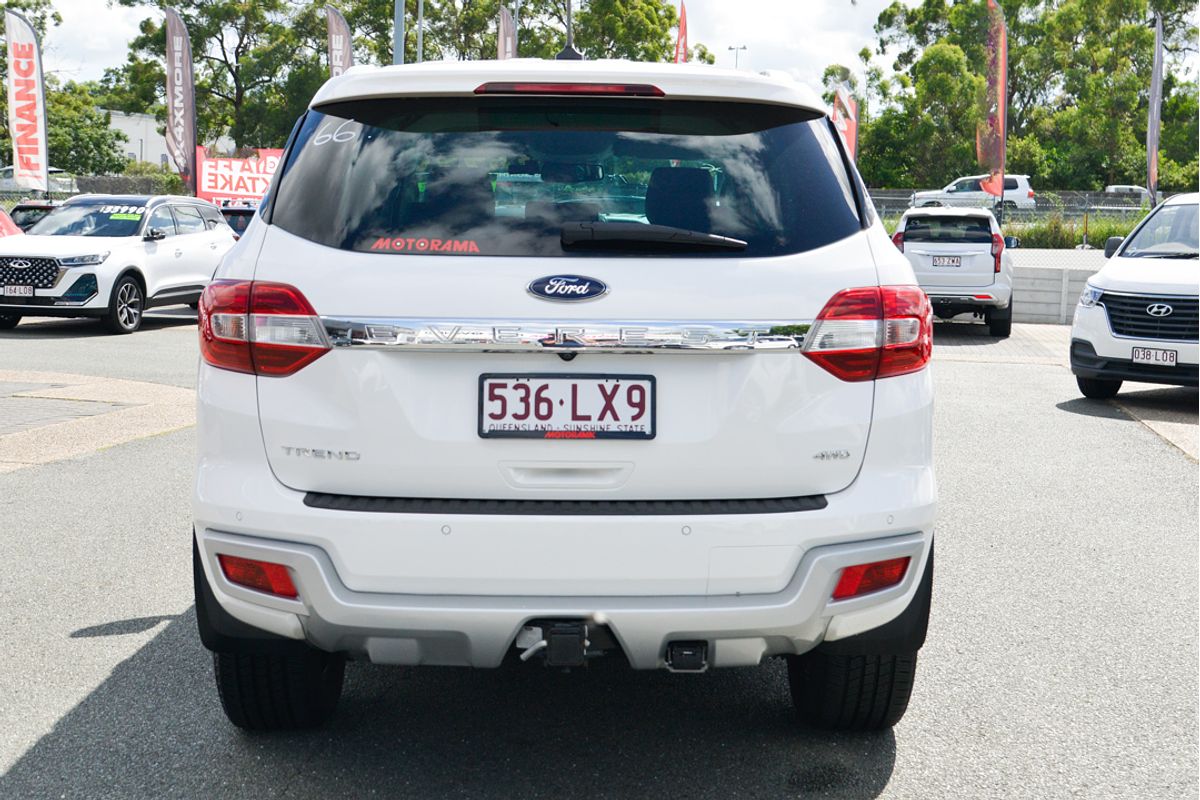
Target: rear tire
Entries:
(1000, 321)
(125, 306)
(9, 321)
(269, 691)
(851, 692)
(1098, 388)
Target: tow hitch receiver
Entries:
(566, 644)
(687, 656)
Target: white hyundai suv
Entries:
(1138, 317)
(112, 257)
(674, 408)
(960, 258)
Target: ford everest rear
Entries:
(551, 362)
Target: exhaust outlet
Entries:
(687, 656)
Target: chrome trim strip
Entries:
(479, 335)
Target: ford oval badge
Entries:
(568, 288)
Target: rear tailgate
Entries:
(730, 422)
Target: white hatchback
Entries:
(960, 258)
(1137, 319)
(112, 257)
(665, 398)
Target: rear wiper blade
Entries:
(636, 236)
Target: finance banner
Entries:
(26, 104)
(681, 43)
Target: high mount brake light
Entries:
(872, 332)
(898, 240)
(865, 578)
(259, 328)
(997, 249)
(606, 89)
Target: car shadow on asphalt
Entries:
(1171, 404)
(154, 728)
(81, 328)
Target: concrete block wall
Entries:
(1047, 283)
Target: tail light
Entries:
(898, 240)
(1031, 194)
(261, 575)
(873, 332)
(260, 328)
(864, 578)
(997, 249)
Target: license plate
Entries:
(18, 291)
(947, 261)
(556, 406)
(1155, 356)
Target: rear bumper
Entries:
(480, 631)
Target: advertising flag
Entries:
(990, 137)
(26, 104)
(1155, 121)
(181, 100)
(845, 119)
(681, 44)
(341, 46)
(506, 42)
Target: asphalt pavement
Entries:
(1062, 658)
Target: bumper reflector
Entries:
(864, 578)
(261, 575)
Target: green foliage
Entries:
(79, 137)
(166, 180)
(1059, 233)
(1079, 79)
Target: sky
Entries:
(798, 36)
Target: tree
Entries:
(79, 136)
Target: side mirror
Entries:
(1011, 241)
(155, 234)
(1111, 245)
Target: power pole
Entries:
(398, 33)
(420, 31)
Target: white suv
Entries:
(1137, 319)
(960, 258)
(112, 257)
(969, 192)
(675, 407)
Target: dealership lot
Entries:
(1061, 661)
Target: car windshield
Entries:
(956, 230)
(91, 219)
(515, 176)
(1170, 232)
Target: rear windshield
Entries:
(503, 175)
(26, 217)
(959, 230)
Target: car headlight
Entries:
(83, 261)
(1090, 296)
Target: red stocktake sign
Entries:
(845, 119)
(26, 104)
(990, 136)
(235, 178)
